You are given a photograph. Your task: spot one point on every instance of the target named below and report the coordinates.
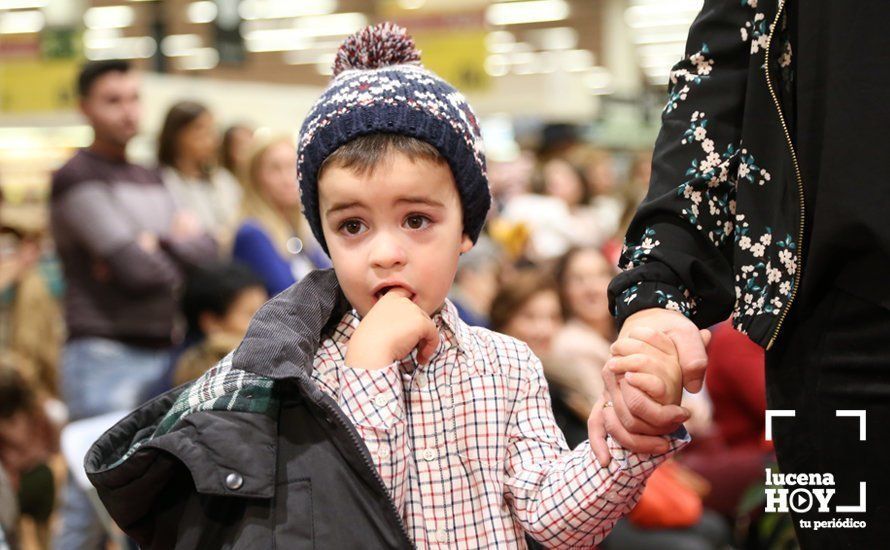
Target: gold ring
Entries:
(608, 404)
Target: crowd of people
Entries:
(137, 279)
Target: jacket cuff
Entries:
(372, 398)
(650, 294)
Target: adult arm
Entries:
(94, 217)
(677, 258)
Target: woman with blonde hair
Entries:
(273, 238)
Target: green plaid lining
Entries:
(222, 388)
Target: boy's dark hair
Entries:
(214, 288)
(91, 72)
(364, 153)
(15, 394)
(179, 116)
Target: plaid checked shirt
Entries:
(468, 446)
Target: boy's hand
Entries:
(390, 331)
(648, 360)
(643, 360)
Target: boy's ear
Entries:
(466, 244)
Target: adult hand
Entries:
(690, 341)
(148, 242)
(634, 419)
(185, 226)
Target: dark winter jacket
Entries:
(252, 455)
(721, 228)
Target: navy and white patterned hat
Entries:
(379, 86)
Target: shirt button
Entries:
(381, 400)
(420, 380)
(383, 452)
(442, 535)
(234, 481)
(430, 454)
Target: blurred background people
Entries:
(273, 238)
(27, 440)
(218, 303)
(527, 308)
(234, 149)
(583, 342)
(123, 245)
(476, 282)
(31, 326)
(188, 150)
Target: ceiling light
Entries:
(178, 45)
(299, 35)
(108, 17)
(18, 22)
(202, 12)
(22, 4)
(496, 65)
(275, 40)
(129, 47)
(279, 9)
(534, 11)
(311, 53)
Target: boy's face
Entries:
(400, 225)
(237, 317)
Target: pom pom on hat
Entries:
(378, 46)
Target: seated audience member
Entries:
(476, 282)
(273, 238)
(218, 304)
(31, 327)
(582, 345)
(234, 149)
(27, 439)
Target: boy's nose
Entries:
(387, 252)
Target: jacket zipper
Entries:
(353, 434)
(797, 175)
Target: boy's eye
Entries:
(416, 221)
(352, 227)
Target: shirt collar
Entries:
(456, 331)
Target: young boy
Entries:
(218, 303)
(360, 411)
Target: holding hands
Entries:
(657, 353)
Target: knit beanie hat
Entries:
(379, 86)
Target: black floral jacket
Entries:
(721, 228)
